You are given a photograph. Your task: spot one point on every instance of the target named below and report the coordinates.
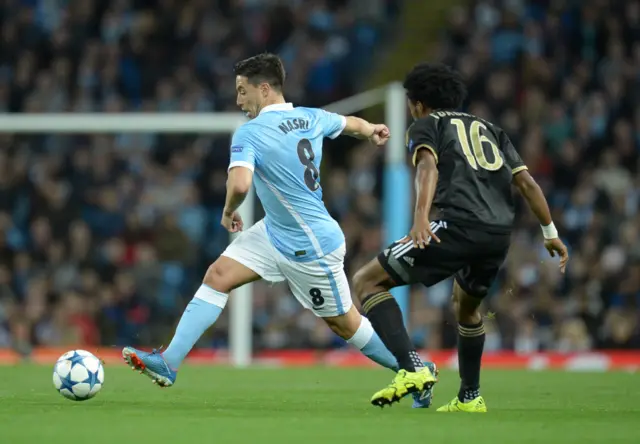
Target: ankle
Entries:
(410, 361)
(467, 394)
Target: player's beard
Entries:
(256, 110)
(252, 112)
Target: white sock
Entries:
(370, 344)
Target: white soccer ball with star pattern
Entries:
(78, 375)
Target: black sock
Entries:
(384, 313)
(470, 345)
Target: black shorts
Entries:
(474, 256)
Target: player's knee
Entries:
(345, 325)
(215, 278)
(468, 310)
(371, 279)
(455, 304)
(465, 306)
(362, 284)
(469, 317)
(341, 326)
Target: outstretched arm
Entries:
(530, 190)
(361, 129)
(358, 128)
(334, 124)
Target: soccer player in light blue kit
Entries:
(280, 150)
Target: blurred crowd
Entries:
(563, 79)
(104, 239)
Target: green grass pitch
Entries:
(316, 405)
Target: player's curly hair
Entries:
(264, 67)
(436, 86)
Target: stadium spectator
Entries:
(102, 237)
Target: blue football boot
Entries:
(423, 399)
(151, 364)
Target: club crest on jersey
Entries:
(236, 148)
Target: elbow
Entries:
(241, 188)
(528, 187)
(356, 127)
(239, 181)
(430, 167)
(425, 162)
(426, 174)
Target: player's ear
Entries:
(264, 89)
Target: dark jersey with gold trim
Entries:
(476, 163)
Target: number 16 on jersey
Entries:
(475, 153)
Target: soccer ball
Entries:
(78, 375)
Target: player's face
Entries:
(248, 97)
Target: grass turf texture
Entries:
(316, 405)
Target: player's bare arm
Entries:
(238, 186)
(359, 128)
(530, 190)
(425, 183)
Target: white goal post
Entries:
(396, 197)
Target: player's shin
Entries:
(370, 344)
(200, 314)
(471, 336)
(386, 318)
(470, 346)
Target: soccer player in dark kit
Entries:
(463, 217)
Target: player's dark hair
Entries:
(261, 68)
(436, 86)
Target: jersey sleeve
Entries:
(423, 134)
(243, 151)
(511, 155)
(332, 124)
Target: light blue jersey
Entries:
(283, 146)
